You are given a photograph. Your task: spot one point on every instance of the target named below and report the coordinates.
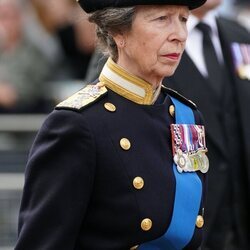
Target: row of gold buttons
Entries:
(112, 108)
(138, 183)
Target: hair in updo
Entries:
(110, 22)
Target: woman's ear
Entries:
(119, 40)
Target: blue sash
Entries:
(187, 199)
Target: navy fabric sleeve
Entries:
(58, 183)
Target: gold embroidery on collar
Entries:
(121, 89)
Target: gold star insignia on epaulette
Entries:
(83, 97)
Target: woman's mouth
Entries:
(173, 56)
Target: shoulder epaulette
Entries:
(83, 98)
(180, 97)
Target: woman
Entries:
(121, 164)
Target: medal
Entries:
(241, 59)
(189, 148)
(204, 163)
(182, 161)
(244, 71)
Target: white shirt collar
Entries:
(209, 18)
(194, 41)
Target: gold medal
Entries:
(196, 162)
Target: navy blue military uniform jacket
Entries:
(101, 165)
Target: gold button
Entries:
(199, 221)
(146, 224)
(110, 107)
(138, 182)
(125, 143)
(171, 110)
(134, 247)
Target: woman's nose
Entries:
(179, 32)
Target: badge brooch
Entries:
(189, 148)
(241, 59)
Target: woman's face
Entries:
(153, 47)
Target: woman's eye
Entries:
(162, 18)
(184, 19)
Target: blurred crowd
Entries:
(47, 45)
(41, 43)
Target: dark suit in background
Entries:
(227, 117)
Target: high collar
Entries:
(127, 85)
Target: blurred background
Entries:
(45, 49)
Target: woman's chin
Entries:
(168, 72)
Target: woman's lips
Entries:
(173, 56)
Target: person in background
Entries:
(65, 20)
(217, 56)
(122, 163)
(23, 69)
